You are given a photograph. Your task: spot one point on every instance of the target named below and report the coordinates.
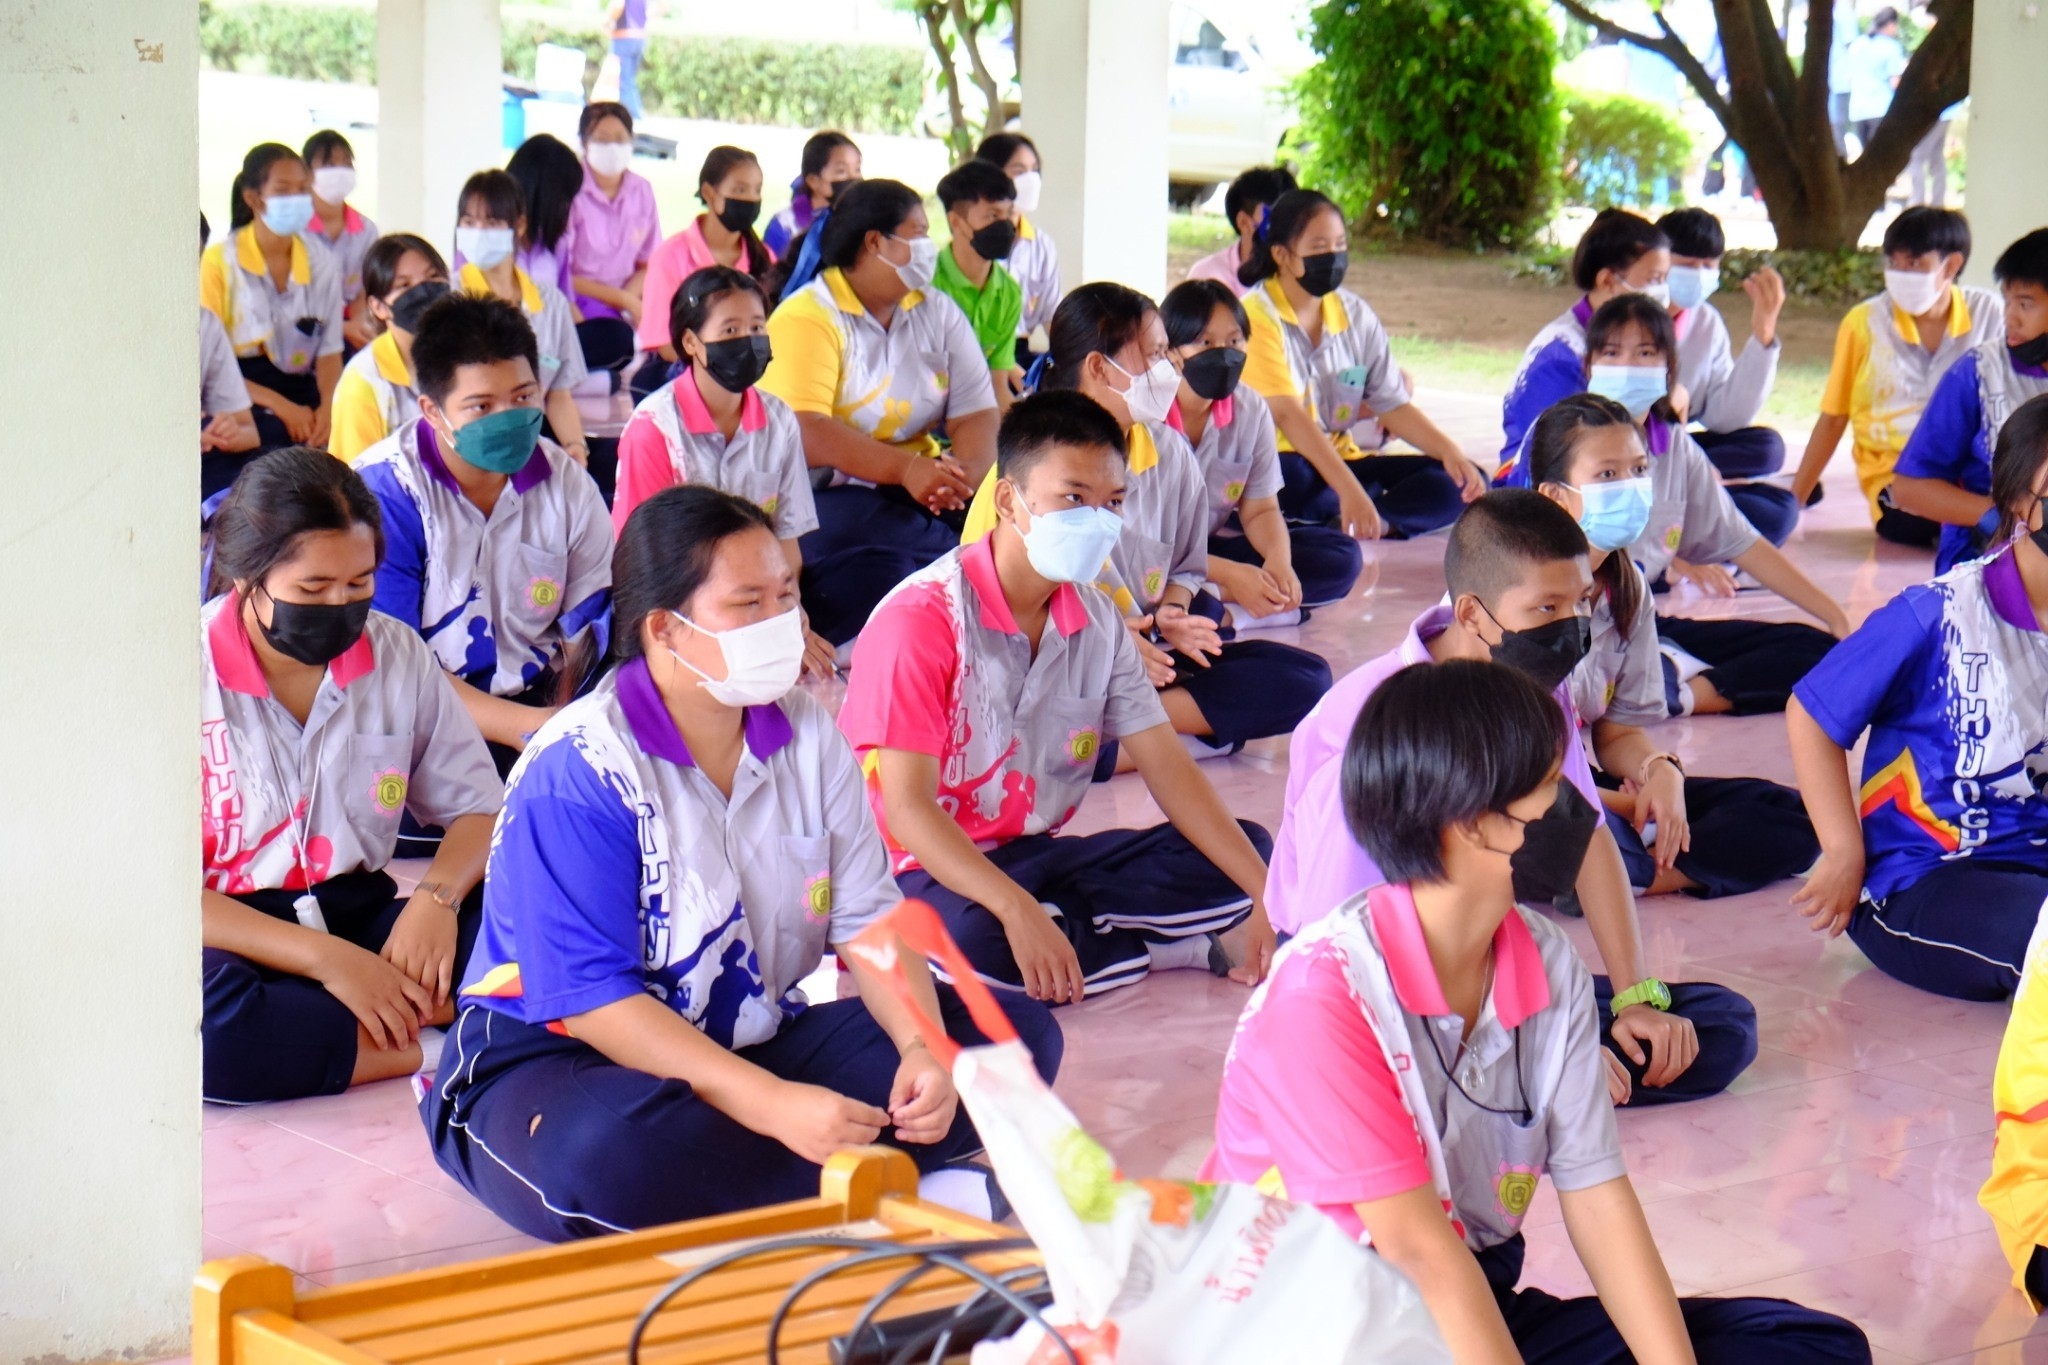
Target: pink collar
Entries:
(1520, 986)
(1220, 414)
(696, 414)
(234, 657)
(978, 561)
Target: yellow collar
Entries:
(1335, 319)
(1025, 231)
(249, 255)
(472, 281)
(390, 364)
(847, 301)
(1143, 450)
(1958, 316)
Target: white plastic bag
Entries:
(1153, 1272)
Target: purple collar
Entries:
(1583, 311)
(1657, 434)
(2021, 367)
(767, 728)
(2008, 593)
(531, 475)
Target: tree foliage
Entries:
(956, 31)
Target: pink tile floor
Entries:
(1841, 1171)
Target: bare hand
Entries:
(1672, 1041)
(358, 331)
(1680, 399)
(388, 1004)
(922, 1100)
(1013, 380)
(1195, 637)
(1260, 943)
(1766, 290)
(323, 426)
(422, 944)
(1045, 959)
(1356, 515)
(821, 660)
(1159, 669)
(1284, 579)
(1618, 1084)
(1832, 891)
(1255, 589)
(298, 421)
(940, 485)
(1471, 480)
(1711, 579)
(815, 1122)
(1662, 799)
(218, 431)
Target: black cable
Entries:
(940, 1335)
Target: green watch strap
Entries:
(1649, 991)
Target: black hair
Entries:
(870, 206)
(998, 148)
(1100, 316)
(277, 500)
(468, 329)
(2025, 261)
(719, 162)
(499, 194)
(1924, 228)
(549, 176)
(321, 147)
(818, 149)
(1259, 185)
(1553, 440)
(1638, 310)
(1057, 417)
(2016, 463)
(1500, 535)
(380, 262)
(594, 114)
(1883, 18)
(205, 231)
(1189, 305)
(1435, 747)
(1615, 240)
(975, 182)
(255, 170)
(1695, 233)
(691, 305)
(1286, 219)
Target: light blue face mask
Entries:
(288, 214)
(1072, 545)
(1615, 513)
(1635, 387)
(1692, 285)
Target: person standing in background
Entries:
(1840, 40)
(1876, 61)
(628, 20)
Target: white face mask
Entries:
(923, 265)
(1029, 186)
(334, 184)
(1071, 545)
(487, 246)
(762, 661)
(1150, 396)
(1913, 290)
(608, 158)
(1660, 292)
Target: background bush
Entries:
(1434, 119)
(1621, 152)
(1837, 278)
(859, 87)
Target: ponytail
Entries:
(255, 170)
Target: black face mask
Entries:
(1322, 273)
(315, 633)
(739, 363)
(1554, 846)
(1547, 654)
(2033, 352)
(739, 214)
(1213, 374)
(408, 308)
(996, 241)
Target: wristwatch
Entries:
(1649, 991)
(1643, 772)
(441, 895)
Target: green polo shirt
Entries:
(995, 310)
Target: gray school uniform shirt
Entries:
(1691, 515)
(1238, 454)
(1165, 539)
(220, 379)
(1621, 679)
(1727, 390)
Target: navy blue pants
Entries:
(1414, 494)
(1746, 833)
(1326, 560)
(1253, 690)
(1752, 453)
(269, 1035)
(1116, 891)
(1961, 931)
(1903, 528)
(1754, 664)
(1771, 509)
(561, 1142)
(868, 540)
(1553, 1331)
(1725, 1023)
(606, 343)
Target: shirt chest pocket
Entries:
(376, 778)
(791, 933)
(538, 580)
(1143, 563)
(1227, 482)
(1340, 396)
(1064, 737)
(1667, 526)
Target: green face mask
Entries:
(500, 442)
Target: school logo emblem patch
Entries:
(774, 501)
(543, 592)
(1155, 581)
(387, 789)
(1516, 1189)
(1083, 744)
(1233, 490)
(818, 895)
(1671, 537)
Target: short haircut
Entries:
(1695, 233)
(2016, 463)
(468, 329)
(497, 194)
(2025, 261)
(1259, 185)
(1615, 240)
(1435, 747)
(1189, 305)
(1925, 228)
(1500, 536)
(1058, 417)
(818, 149)
(277, 501)
(998, 148)
(380, 262)
(321, 147)
(1884, 18)
(594, 114)
(975, 182)
(869, 206)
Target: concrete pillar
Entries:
(99, 815)
(438, 109)
(2007, 194)
(1094, 82)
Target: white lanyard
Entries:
(307, 906)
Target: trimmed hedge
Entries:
(1837, 278)
(1621, 152)
(859, 87)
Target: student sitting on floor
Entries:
(347, 234)
(228, 439)
(729, 188)
(875, 362)
(499, 549)
(403, 276)
(710, 425)
(278, 298)
(320, 722)
(1889, 352)
(1035, 260)
(1265, 569)
(679, 849)
(1321, 359)
(1936, 866)
(1944, 473)
(1517, 574)
(1218, 694)
(1714, 836)
(1724, 393)
(830, 163)
(1425, 1053)
(980, 205)
(1245, 204)
(981, 696)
